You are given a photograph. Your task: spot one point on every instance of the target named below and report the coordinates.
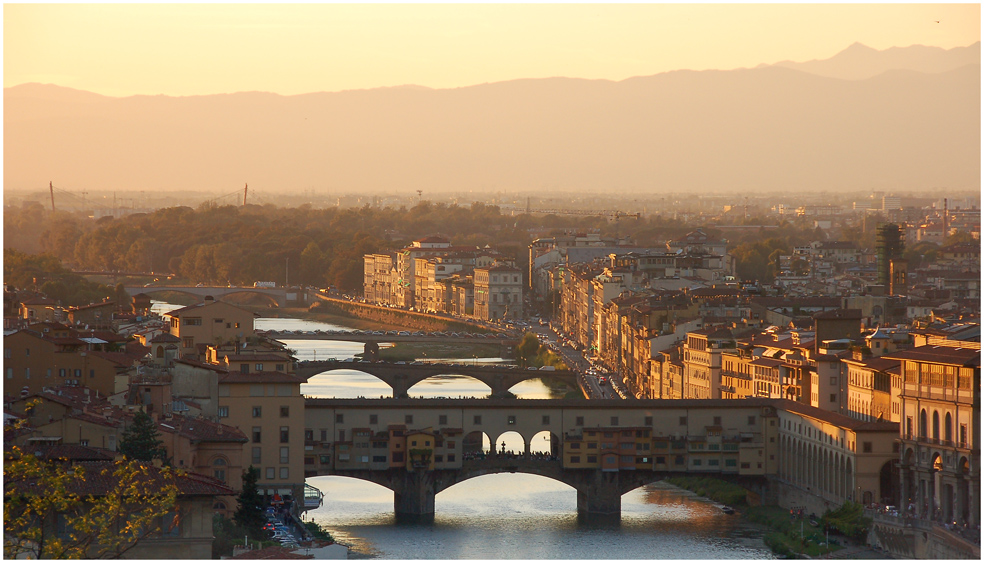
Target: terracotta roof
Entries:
(69, 452)
(256, 357)
(878, 364)
(99, 480)
(948, 355)
(191, 362)
(164, 337)
(122, 359)
(839, 314)
(260, 377)
(201, 430)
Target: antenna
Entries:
(245, 190)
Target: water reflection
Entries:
(517, 516)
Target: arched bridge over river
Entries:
(602, 449)
(402, 376)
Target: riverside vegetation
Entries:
(789, 534)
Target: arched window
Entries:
(160, 352)
(218, 468)
(936, 425)
(923, 428)
(948, 428)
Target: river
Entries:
(505, 516)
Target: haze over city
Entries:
(387, 100)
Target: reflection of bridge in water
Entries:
(401, 377)
(602, 449)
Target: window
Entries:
(477, 419)
(258, 367)
(730, 462)
(451, 458)
(284, 454)
(6, 352)
(308, 435)
(188, 341)
(614, 421)
(271, 473)
(833, 380)
(257, 412)
(866, 447)
(284, 434)
(193, 321)
(833, 398)
(244, 368)
(717, 421)
(280, 367)
(10, 373)
(284, 411)
(575, 459)
(256, 391)
(751, 420)
(257, 454)
(511, 419)
(373, 419)
(442, 419)
(223, 412)
(579, 421)
(649, 421)
(339, 419)
(27, 373)
(408, 419)
(575, 445)
(256, 434)
(449, 444)
(546, 419)
(683, 421)
(379, 459)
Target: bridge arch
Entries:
(447, 377)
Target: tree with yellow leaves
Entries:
(86, 510)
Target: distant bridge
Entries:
(401, 377)
(276, 295)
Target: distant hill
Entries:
(909, 125)
(858, 62)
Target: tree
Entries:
(527, 349)
(43, 498)
(141, 441)
(249, 514)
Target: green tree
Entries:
(104, 525)
(527, 349)
(141, 441)
(249, 514)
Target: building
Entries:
(210, 322)
(498, 292)
(940, 433)
(268, 407)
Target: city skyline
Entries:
(182, 50)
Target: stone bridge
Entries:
(401, 377)
(276, 295)
(599, 493)
(601, 448)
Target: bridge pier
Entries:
(401, 388)
(413, 497)
(600, 496)
(500, 390)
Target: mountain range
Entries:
(900, 119)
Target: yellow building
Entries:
(211, 322)
(268, 407)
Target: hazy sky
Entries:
(187, 49)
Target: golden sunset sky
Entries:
(196, 49)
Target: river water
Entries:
(505, 516)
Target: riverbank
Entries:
(788, 535)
